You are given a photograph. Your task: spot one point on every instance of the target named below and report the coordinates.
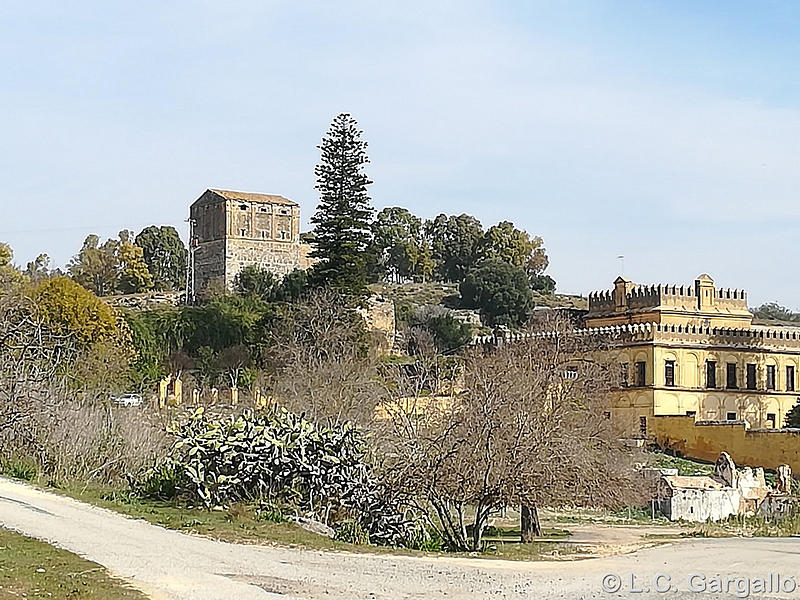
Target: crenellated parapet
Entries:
(702, 304)
(662, 295)
(765, 338)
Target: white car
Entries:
(128, 400)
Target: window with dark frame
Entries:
(669, 373)
(771, 377)
(624, 369)
(751, 376)
(243, 232)
(790, 378)
(731, 382)
(711, 374)
(641, 373)
(771, 418)
(731, 416)
(643, 427)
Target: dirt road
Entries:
(170, 565)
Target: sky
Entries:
(666, 132)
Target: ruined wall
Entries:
(701, 505)
(379, 319)
(768, 448)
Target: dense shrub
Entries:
(446, 332)
(280, 457)
(501, 291)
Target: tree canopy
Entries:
(454, 244)
(402, 251)
(501, 291)
(165, 256)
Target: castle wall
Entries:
(279, 257)
(705, 441)
(209, 266)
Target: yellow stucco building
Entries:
(694, 351)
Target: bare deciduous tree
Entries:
(321, 361)
(529, 429)
(32, 358)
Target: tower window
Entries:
(623, 374)
(243, 207)
(711, 374)
(641, 373)
(771, 377)
(243, 232)
(790, 378)
(669, 373)
(731, 382)
(751, 376)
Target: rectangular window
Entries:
(263, 234)
(731, 416)
(711, 374)
(751, 376)
(771, 420)
(790, 379)
(641, 374)
(770, 377)
(243, 207)
(624, 368)
(731, 382)
(243, 232)
(669, 373)
(571, 373)
(643, 427)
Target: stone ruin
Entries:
(729, 491)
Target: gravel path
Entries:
(170, 565)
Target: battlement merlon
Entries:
(630, 302)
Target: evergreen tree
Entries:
(342, 221)
(793, 416)
(165, 256)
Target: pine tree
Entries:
(342, 221)
(792, 418)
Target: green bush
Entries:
(271, 512)
(162, 482)
(21, 468)
(351, 532)
(501, 291)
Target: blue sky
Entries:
(665, 131)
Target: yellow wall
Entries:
(767, 449)
(690, 392)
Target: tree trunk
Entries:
(529, 524)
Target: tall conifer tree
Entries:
(342, 221)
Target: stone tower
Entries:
(231, 230)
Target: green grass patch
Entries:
(685, 466)
(250, 524)
(33, 569)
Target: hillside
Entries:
(447, 294)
